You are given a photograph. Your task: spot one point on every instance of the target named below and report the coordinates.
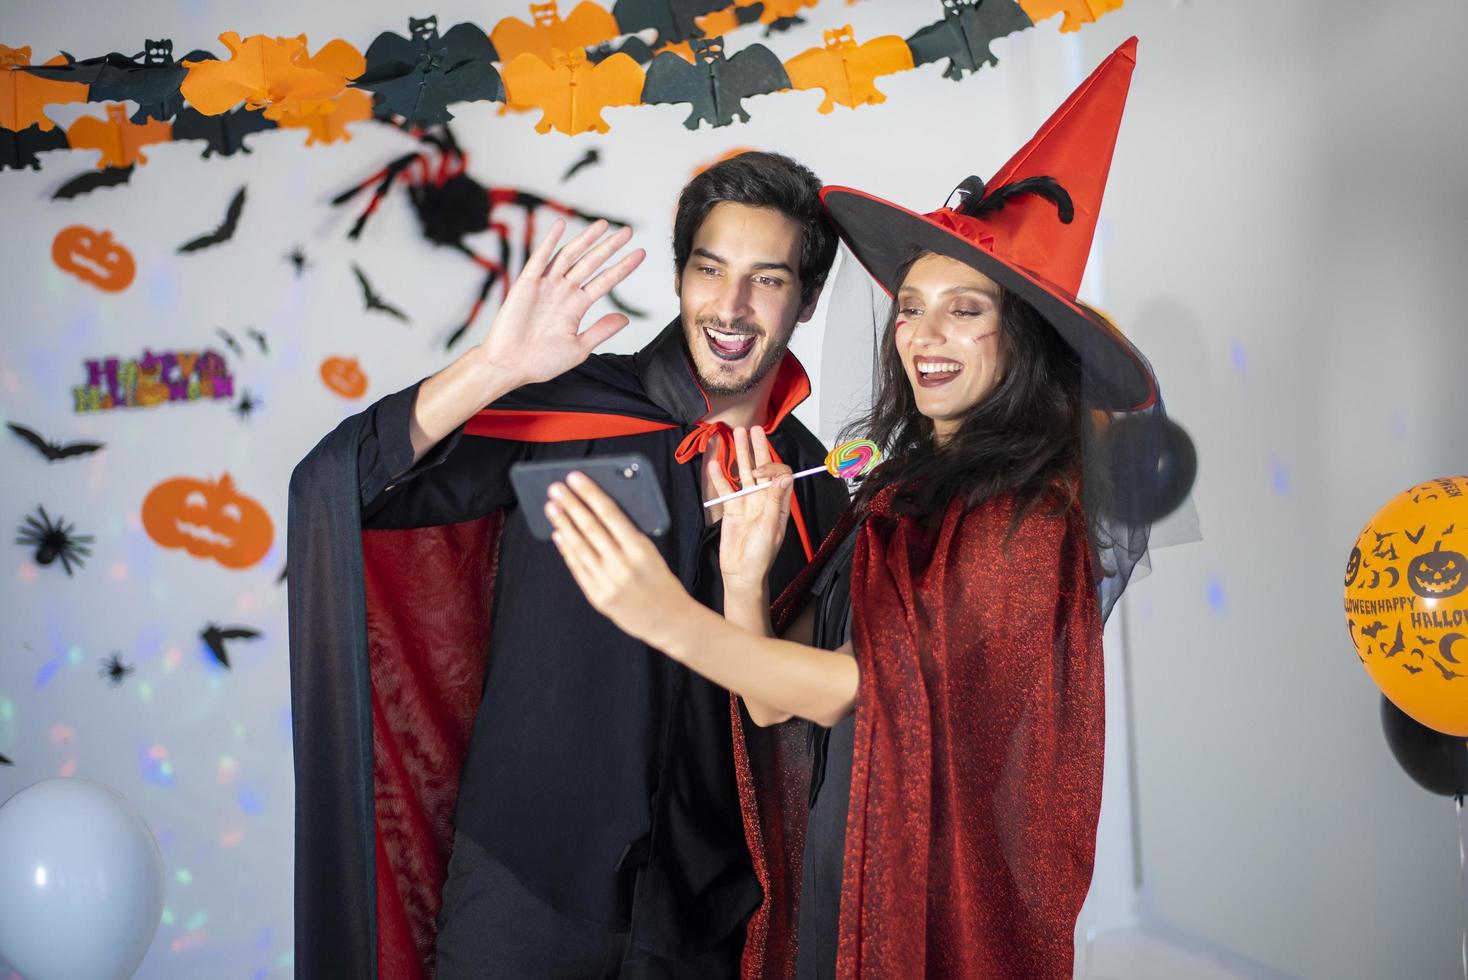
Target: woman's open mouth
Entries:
(934, 372)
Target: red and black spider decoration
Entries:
(450, 205)
(53, 540)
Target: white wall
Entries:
(1286, 243)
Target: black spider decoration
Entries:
(246, 406)
(54, 540)
(115, 670)
(450, 205)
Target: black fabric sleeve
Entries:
(459, 479)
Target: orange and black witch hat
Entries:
(1029, 228)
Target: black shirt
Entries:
(600, 771)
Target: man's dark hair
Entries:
(761, 180)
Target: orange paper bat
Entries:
(274, 74)
(326, 119)
(547, 33)
(1077, 12)
(847, 70)
(120, 140)
(24, 97)
(573, 91)
(722, 22)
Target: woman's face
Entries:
(947, 334)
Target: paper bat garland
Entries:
(25, 95)
(674, 20)
(964, 33)
(572, 92)
(225, 133)
(152, 82)
(273, 74)
(326, 119)
(586, 25)
(714, 85)
(847, 70)
(18, 149)
(416, 79)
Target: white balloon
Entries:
(81, 882)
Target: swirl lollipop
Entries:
(849, 460)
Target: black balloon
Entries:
(1438, 762)
(1152, 467)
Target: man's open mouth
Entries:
(729, 346)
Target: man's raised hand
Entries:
(537, 335)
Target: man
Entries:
(599, 827)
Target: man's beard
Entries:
(768, 361)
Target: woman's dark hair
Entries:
(1024, 436)
(761, 180)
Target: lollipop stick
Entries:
(762, 486)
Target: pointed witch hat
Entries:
(1029, 229)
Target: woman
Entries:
(949, 630)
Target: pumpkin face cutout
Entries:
(93, 257)
(208, 520)
(1438, 574)
(344, 376)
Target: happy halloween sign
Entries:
(153, 379)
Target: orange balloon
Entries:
(1407, 602)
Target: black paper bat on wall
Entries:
(714, 85)
(18, 149)
(674, 20)
(416, 78)
(150, 78)
(225, 133)
(964, 33)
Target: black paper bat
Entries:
(714, 85)
(416, 78)
(297, 258)
(633, 47)
(91, 180)
(672, 19)
(624, 308)
(590, 157)
(964, 33)
(150, 78)
(258, 338)
(5, 762)
(228, 338)
(372, 300)
(281, 577)
(214, 636)
(53, 450)
(225, 133)
(18, 149)
(224, 232)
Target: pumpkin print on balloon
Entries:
(344, 376)
(93, 257)
(1407, 602)
(208, 519)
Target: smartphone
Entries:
(629, 480)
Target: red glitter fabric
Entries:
(976, 774)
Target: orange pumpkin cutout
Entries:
(208, 520)
(93, 257)
(344, 376)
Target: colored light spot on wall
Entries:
(1279, 477)
(185, 877)
(26, 572)
(196, 921)
(1238, 356)
(7, 710)
(189, 940)
(158, 752)
(240, 732)
(228, 769)
(167, 917)
(61, 735)
(48, 670)
(250, 801)
(231, 838)
(1216, 598)
(247, 604)
(155, 766)
(68, 769)
(74, 655)
(172, 657)
(118, 571)
(145, 690)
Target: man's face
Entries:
(740, 296)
